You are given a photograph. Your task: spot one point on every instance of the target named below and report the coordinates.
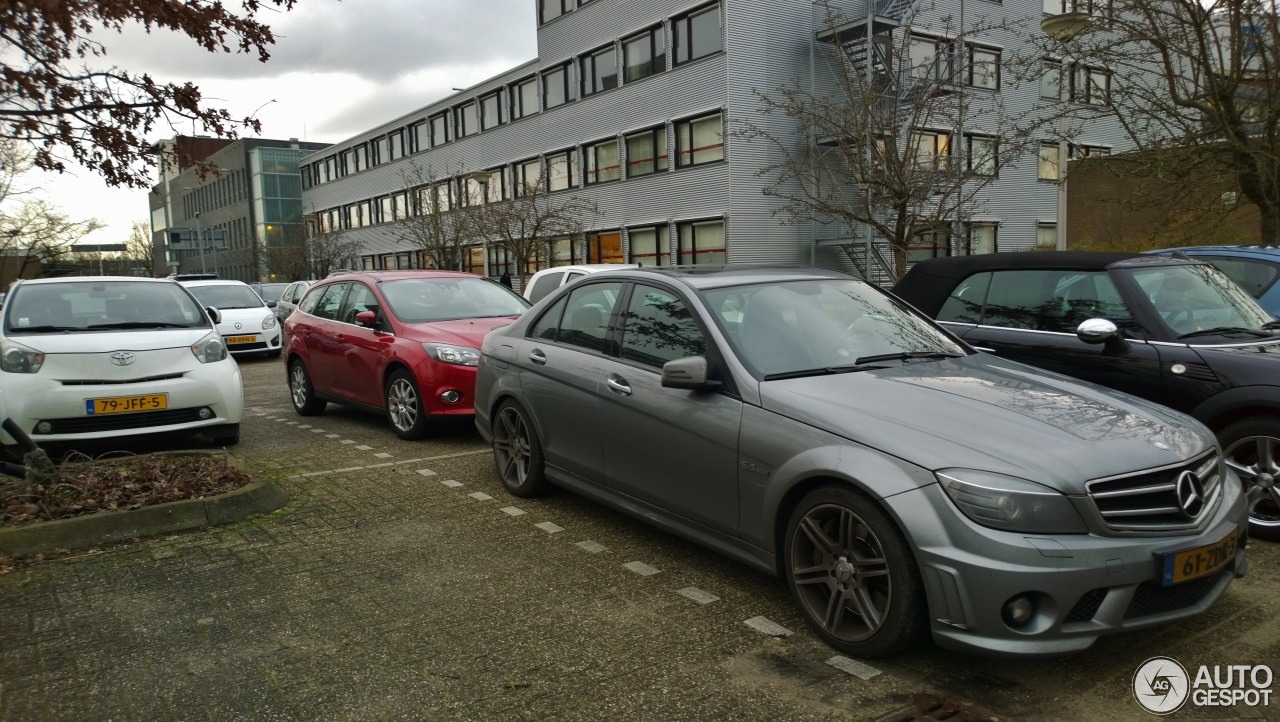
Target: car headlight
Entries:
(209, 349)
(269, 322)
(18, 359)
(456, 355)
(1011, 504)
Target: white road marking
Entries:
(332, 436)
(854, 667)
(382, 454)
(451, 483)
(348, 441)
(593, 547)
(513, 511)
(426, 472)
(305, 426)
(641, 568)
(767, 626)
(698, 595)
(549, 527)
(479, 496)
(317, 431)
(363, 447)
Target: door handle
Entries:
(537, 357)
(618, 385)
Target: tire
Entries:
(301, 392)
(1252, 447)
(517, 451)
(403, 405)
(866, 617)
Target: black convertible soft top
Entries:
(928, 283)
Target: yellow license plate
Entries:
(126, 404)
(1194, 563)
(241, 339)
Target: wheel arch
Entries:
(1236, 404)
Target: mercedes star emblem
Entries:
(1190, 493)
(122, 358)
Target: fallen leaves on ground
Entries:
(88, 486)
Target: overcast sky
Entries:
(337, 68)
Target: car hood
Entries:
(105, 341)
(461, 332)
(982, 412)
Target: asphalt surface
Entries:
(402, 582)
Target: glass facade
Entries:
(277, 195)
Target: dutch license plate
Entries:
(1194, 563)
(126, 404)
(241, 339)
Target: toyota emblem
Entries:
(237, 326)
(122, 358)
(1190, 492)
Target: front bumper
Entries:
(1082, 585)
(436, 379)
(263, 342)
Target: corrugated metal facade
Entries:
(766, 44)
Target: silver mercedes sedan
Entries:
(811, 425)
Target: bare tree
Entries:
(439, 218)
(871, 151)
(526, 225)
(316, 257)
(33, 232)
(61, 100)
(138, 248)
(1196, 86)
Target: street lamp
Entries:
(1063, 27)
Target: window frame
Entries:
(1042, 162)
(689, 123)
(460, 127)
(565, 7)
(661, 163)
(973, 63)
(495, 96)
(571, 164)
(591, 168)
(516, 97)
(970, 154)
(661, 240)
(588, 63)
(693, 250)
(443, 118)
(684, 22)
(566, 70)
(656, 35)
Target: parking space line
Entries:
(348, 441)
(426, 472)
(853, 667)
(317, 431)
(382, 454)
(641, 568)
(768, 627)
(550, 527)
(698, 595)
(363, 447)
(305, 426)
(512, 511)
(332, 436)
(451, 483)
(593, 547)
(479, 496)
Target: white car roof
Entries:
(85, 279)
(215, 282)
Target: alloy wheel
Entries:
(512, 447)
(402, 404)
(298, 385)
(1255, 459)
(841, 573)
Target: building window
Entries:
(644, 54)
(493, 186)
(306, 176)
(1046, 235)
(697, 34)
(1090, 85)
(1049, 166)
(555, 87)
(602, 162)
(984, 68)
(646, 152)
(439, 129)
(528, 176)
(490, 111)
(419, 137)
(524, 98)
(702, 243)
(403, 261)
(700, 140)
(931, 149)
(1098, 8)
(650, 246)
(1088, 151)
(979, 238)
(1051, 81)
(361, 156)
(604, 247)
(331, 168)
(464, 120)
(981, 155)
(380, 155)
(552, 9)
(441, 197)
(599, 71)
(345, 161)
(561, 171)
(932, 60)
(400, 203)
(396, 144)
(384, 209)
(564, 252)
(931, 243)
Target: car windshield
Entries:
(822, 325)
(226, 296)
(99, 306)
(424, 300)
(1197, 300)
(272, 291)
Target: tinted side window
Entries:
(309, 301)
(1255, 277)
(330, 299)
(964, 305)
(547, 326)
(586, 317)
(658, 328)
(360, 299)
(544, 286)
(1057, 301)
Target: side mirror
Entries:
(368, 319)
(1097, 330)
(687, 373)
(214, 315)
(272, 304)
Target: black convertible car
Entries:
(1172, 330)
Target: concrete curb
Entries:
(105, 527)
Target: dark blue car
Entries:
(1253, 268)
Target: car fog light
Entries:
(44, 427)
(1018, 611)
(451, 397)
(206, 413)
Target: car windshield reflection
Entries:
(427, 300)
(1197, 300)
(822, 326)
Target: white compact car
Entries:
(102, 357)
(248, 325)
(541, 284)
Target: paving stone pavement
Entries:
(382, 591)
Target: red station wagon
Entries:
(402, 343)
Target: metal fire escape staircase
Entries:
(865, 35)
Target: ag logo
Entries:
(1161, 685)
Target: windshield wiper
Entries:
(825, 370)
(907, 355)
(1223, 330)
(1271, 325)
(140, 324)
(43, 329)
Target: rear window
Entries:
(545, 285)
(100, 306)
(226, 297)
